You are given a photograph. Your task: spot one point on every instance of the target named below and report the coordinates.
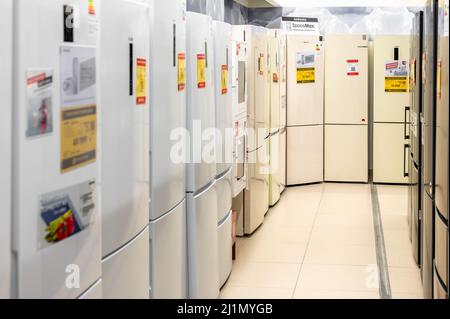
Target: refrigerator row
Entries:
(427, 147)
(114, 113)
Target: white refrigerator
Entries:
(57, 144)
(6, 15)
(393, 116)
(256, 198)
(168, 229)
(346, 108)
(125, 157)
(224, 146)
(283, 112)
(201, 189)
(305, 109)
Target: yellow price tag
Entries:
(224, 79)
(306, 75)
(201, 71)
(141, 82)
(396, 84)
(181, 71)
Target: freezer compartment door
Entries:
(427, 245)
(440, 291)
(94, 293)
(346, 153)
(168, 255)
(305, 80)
(240, 156)
(441, 248)
(203, 261)
(283, 154)
(304, 155)
(415, 212)
(125, 273)
(391, 153)
(275, 176)
(224, 196)
(225, 234)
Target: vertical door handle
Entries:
(405, 158)
(174, 45)
(131, 58)
(407, 121)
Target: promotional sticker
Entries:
(301, 25)
(412, 76)
(261, 64)
(224, 79)
(396, 77)
(93, 21)
(439, 80)
(201, 71)
(306, 68)
(141, 82)
(181, 71)
(66, 213)
(78, 137)
(353, 67)
(40, 102)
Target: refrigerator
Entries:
(125, 149)
(392, 110)
(56, 207)
(168, 223)
(415, 134)
(274, 38)
(6, 16)
(201, 188)
(346, 108)
(441, 284)
(224, 145)
(305, 109)
(428, 120)
(256, 199)
(283, 112)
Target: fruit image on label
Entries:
(201, 71)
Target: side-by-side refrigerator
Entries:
(168, 232)
(201, 186)
(346, 108)
(428, 121)
(6, 15)
(224, 146)
(257, 192)
(125, 145)
(392, 110)
(305, 107)
(441, 282)
(56, 208)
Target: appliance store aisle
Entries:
(319, 242)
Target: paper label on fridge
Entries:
(141, 81)
(261, 63)
(66, 213)
(412, 76)
(40, 102)
(201, 71)
(181, 71)
(352, 67)
(306, 67)
(302, 25)
(78, 76)
(396, 76)
(78, 137)
(224, 79)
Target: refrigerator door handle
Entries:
(405, 158)
(407, 122)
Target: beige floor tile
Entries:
(260, 251)
(342, 236)
(340, 254)
(272, 232)
(393, 199)
(266, 275)
(405, 281)
(360, 221)
(291, 218)
(398, 256)
(407, 296)
(344, 188)
(335, 294)
(395, 222)
(337, 278)
(234, 292)
(397, 238)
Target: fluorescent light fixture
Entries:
(351, 3)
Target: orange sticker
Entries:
(141, 82)
(181, 71)
(224, 79)
(201, 71)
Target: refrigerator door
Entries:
(52, 176)
(225, 233)
(441, 250)
(203, 263)
(223, 87)
(283, 80)
(304, 155)
(94, 293)
(347, 82)
(6, 33)
(240, 156)
(125, 180)
(168, 255)
(391, 74)
(440, 291)
(391, 152)
(416, 226)
(168, 106)
(305, 80)
(125, 273)
(201, 114)
(224, 196)
(346, 153)
(275, 85)
(274, 178)
(239, 78)
(427, 253)
(283, 154)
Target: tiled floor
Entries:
(319, 242)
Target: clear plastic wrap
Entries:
(213, 8)
(393, 21)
